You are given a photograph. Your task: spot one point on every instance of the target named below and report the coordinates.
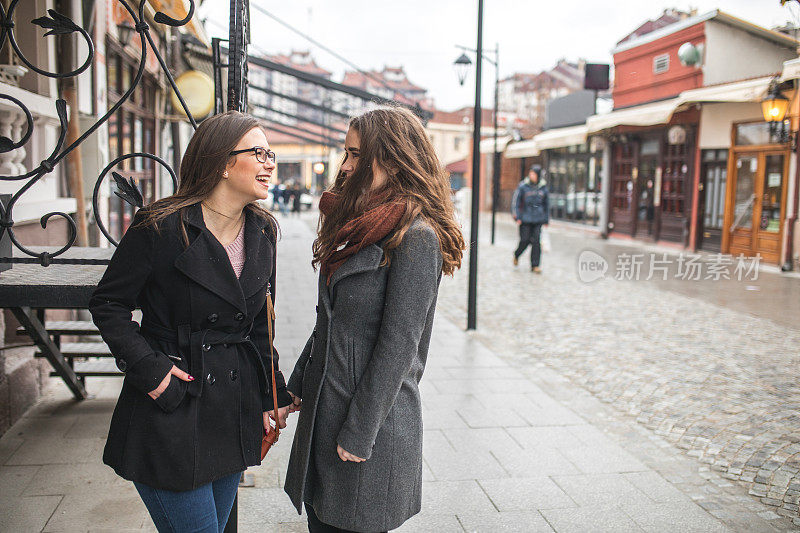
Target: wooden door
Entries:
(768, 222)
(743, 195)
(756, 204)
(645, 197)
(675, 200)
(624, 172)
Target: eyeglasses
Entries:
(262, 154)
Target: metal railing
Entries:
(58, 24)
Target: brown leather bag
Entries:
(271, 435)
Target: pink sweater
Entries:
(235, 252)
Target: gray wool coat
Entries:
(358, 377)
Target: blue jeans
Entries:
(202, 510)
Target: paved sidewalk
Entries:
(706, 368)
(510, 445)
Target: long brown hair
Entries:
(395, 139)
(206, 158)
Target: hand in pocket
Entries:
(178, 373)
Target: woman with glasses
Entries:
(197, 394)
(387, 234)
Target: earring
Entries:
(225, 174)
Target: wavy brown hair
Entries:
(395, 140)
(206, 158)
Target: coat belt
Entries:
(196, 343)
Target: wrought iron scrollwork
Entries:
(131, 197)
(58, 24)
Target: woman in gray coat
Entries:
(387, 234)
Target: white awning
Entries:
(641, 115)
(487, 144)
(561, 137)
(522, 149)
(791, 69)
(741, 91)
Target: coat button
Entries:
(206, 347)
(122, 365)
(210, 379)
(213, 317)
(239, 317)
(234, 375)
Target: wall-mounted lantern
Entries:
(774, 108)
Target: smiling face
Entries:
(352, 149)
(248, 178)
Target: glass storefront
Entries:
(573, 179)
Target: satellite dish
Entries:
(197, 90)
(690, 55)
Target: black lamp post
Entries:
(461, 66)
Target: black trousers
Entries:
(317, 526)
(529, 234)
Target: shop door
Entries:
(622, 211)
(711, 211)
(646, 196)
(758, 201)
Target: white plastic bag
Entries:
(544, 240)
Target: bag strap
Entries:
(270, 334)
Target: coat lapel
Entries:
(368, 258)
(206, 262)
(259, 255)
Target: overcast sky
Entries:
(421, 34)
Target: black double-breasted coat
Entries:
(197, 315)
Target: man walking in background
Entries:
(531, 209)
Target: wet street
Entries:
(709, 366)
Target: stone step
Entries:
(67, 327)
(83, 349)
(95, 367)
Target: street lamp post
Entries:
(472, 296)
(462, 65)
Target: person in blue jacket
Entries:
(530, 206)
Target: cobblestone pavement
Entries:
(681, 358)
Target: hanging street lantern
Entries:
(462, 65)
(774, 108)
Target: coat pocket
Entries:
(173, 395)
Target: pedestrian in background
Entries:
(297, 194)
(387, 234)
(530, 206)
(197, 393)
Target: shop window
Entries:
(771, 198)
(754, 133)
